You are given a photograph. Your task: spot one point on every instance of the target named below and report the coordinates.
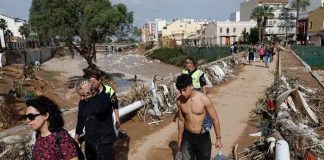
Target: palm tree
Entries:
(3, 26)
(7, 36)
(267, 14)
(299, 4)
(257, 14)
(24, 30)
(261, 14)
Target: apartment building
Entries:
(235, 16)
(316, 26)
(180, 29)
(282, 25)
(302, 24)
(13, 25)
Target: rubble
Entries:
(297, 119)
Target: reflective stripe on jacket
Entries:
(109, 90)
(195, 77)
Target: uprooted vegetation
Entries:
(292, 113)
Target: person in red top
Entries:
(44, 117)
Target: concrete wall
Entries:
(30, 56)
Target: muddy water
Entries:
(125, 67)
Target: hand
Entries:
(218, 144)
(76, 138)
(117, 124)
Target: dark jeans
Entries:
(196, 146)
(99, 152)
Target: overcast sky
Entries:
(147, 10)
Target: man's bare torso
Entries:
(193, 111)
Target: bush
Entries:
(171, 56)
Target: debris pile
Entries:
(291, 119)
(15, 147)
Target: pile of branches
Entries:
(15, 147)
(135, 94)
(8, 113)
(288, 121)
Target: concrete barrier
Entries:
(29, 56)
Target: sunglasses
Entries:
(31, 116)
(188, 62)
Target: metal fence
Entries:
(312, 55)
(209, 54)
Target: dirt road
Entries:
(233, 102)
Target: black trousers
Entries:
(196, 146)
(99, 152)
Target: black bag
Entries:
(79, 151)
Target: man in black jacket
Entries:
(95, 116)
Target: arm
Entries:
(80, 124)
(213, 115)
(203, 83)
(114, 101)
(116, 111)
(180, 125)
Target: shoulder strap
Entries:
(58, 142)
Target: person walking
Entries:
(251, 51)
(261, 52)
(267, 56)
(96, 80)
(193, 141)
(95, 116)
(45, 117)
(198, 78)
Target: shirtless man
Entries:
(193, 106)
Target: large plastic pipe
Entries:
(126, 110)
(282, 150)
(130, 108)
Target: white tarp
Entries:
(2, 60)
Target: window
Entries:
(227, 30)
(234, 30)
(221, 30)
(310, 25)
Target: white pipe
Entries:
(130, 108)
(126, 110)
(282, 150)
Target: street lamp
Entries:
(286, 16)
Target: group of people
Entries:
(97, 104)
(265, 52)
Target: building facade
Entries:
(282, 25)
(316, 26)
(149, 32)
(302, 24)
(179, 30)
(13, 25)
(229, 32)
(235, 16)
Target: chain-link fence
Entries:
(312, 55)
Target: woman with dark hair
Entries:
(52, 141)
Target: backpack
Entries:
(58, 143)
(76, 145)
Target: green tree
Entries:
(261, 14)
(24, 30)
(245, 36)
(298, 5)
(7, 36)
(3, 27)
(254, 35)
(89, 21)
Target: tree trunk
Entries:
(260, 32)
(94, 52)
(297, 6)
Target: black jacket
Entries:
(95, 115)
